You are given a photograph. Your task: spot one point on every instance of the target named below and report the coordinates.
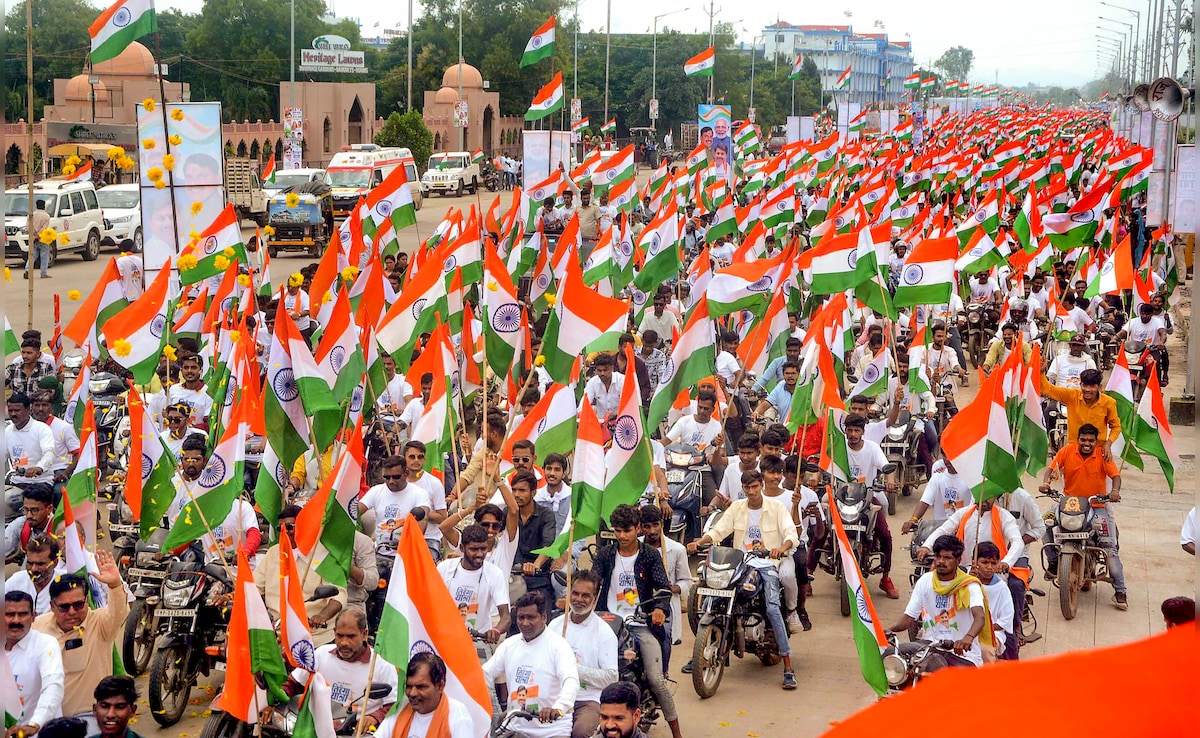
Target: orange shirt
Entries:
(1102, 414)
(1084, 475)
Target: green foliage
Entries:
(407, 130)
(60, 44)
(956, 63)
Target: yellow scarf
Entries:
(962, 600)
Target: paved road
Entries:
(749, 702)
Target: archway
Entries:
(279, 152)
(326, 135)
(437, 141)
(489, 140)
(355, 121)
(267, 149)
(254, 149)
(241, 148)
(12, 160)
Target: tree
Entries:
(60, 44)
(956, 62)
(409, 131)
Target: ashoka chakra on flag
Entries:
(285, 385)
(449, 264)
(302, 652)
(870, 374)
(384, 208)
(337, 358)
(762, 285)
(157, 324)
(507, 318)
(913, 274)
(667, 371)
(418, 307)
(213, 474)
(626, 432)
(122, 17)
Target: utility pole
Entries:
(607, 51)
(712, 44)
(462, 131)
(575, 57)
(408, 93)
(291, 59)
(29, 235)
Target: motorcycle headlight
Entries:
(895, 669)
(176, 594)
(97, 386)
(896, 433)
(1071, 523)
(679, 459)
(145, 559)
(848, 511)
(718, 579)
(973, 317)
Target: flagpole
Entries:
(162, 95)
(362, 713)
(570, 546)
(187, 487)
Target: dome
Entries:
(135, 61)
(471, 78)
(446, 96)
(78, 89)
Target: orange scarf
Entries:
(997, 530)
(439, 728)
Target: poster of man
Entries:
(716, 125)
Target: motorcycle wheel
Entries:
(708, 664)
(891, 498)
(693, 612)
(1070, 583)
(844, 600)
(222, 725)
(137, 645)
(975, 349)
(170, 685)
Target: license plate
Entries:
(706, 592)
(145, 574)
(858, 528)
(675, 476)
(219, 666)
(1072, 536)
(184, 613)
(122, 530)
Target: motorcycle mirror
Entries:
(661, 595)
(888, 469)
(323, 592)
(379, 690)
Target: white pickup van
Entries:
(452, 171)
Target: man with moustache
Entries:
(430, 712)
(35, 660)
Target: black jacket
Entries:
(648, 571)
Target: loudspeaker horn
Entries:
(1141, 98)
(1167, 98)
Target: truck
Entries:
(689, 137)
(244, 190)
(451, 171)
(354, 170)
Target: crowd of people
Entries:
(491, 503)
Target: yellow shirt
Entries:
(1102, 414)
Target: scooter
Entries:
(686, 467)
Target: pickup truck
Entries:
(244, 190)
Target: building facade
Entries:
(486, 128)
(878, 65)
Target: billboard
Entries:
(196, 177)
(716, 133)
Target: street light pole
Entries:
(607, 53)
(292, 59)
(753, 54)
(408, 93)
(654, 64)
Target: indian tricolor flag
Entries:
(13, 710)
(587, 484)
(843, 81)
(390, 200)
(858, 122)
(548, 100)
(502, 314)
(81, 487)
(874, 379)
(702, 64)
(1120, 388)
(1152, 433)
(420, 612)
(212, 253)
(123, 23)
(797, 67)
(1116, 274)
(136, 335)
(832, 264)
(541, 44)
(693, 357)
(912, 81)
(477, 157)
(580, 125)
(927, 277)
(82, 174)
(268, 172)
(105, 301)
(325, 526)
(745, 285)
(579, 320)
(928, 83)
(294, 633)
(609, 127)
(978, 443)
(552, 422)
(211, 495)
(253, 652)
(869, 638)
(150, 492)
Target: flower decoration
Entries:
(115, 153)
(187, 261)
(121, 347)
(68, 170)
(295, 279)
(220, 262)
(268, 231)
(492, 286)
(176, 114)
(349, 273)
(228, 252)
(235, 336)
(148, 144)
(197, 207)
(48, 236)
(149, 104)
(551, 299)
(73, 161)
(125, 163)
(539, 360)
(175, 139)
(74, 295)
(244, 280)
(168, 162)
(154, 174)
(292, 200)
(64, 239)
(170, 352)
(160, 184)
(8, 275)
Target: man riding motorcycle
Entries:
(595, 646)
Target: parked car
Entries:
(292, 177)
(451, 172)
(74, 210)
(122, 217)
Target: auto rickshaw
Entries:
(308, 226)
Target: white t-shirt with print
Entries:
(622, 588)
(945, 494)
(688, 430)
(478, 594)
(939, 617)
(535, 671)
(595, 646)
(461, 725)
(391, 508)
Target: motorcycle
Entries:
(629, 656)
(1139, 355)
(854, 504)
(900, 448)
(491, 177)
(905, 664)
(979, 333)
(72, 365)
(1081, 560)
(108, 398)
(282, 722)
(192, 624)
(1057, 425)
(144, 574)
(686, 467)
(505, 729)
(1105, 355)
(920, 566)
(733, 617)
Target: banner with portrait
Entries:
(716, 134)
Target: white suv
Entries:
(450, 172)
(73, 208)
(122, 217)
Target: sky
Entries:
(1046, 42)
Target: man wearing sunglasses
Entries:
(178, 418)
(267, 578)
(86, 636)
